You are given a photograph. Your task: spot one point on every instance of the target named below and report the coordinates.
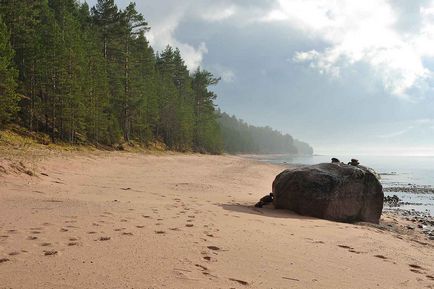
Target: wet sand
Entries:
(122, 220)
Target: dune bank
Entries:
(123, 220)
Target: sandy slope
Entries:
(184, 221)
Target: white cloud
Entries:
(226, 74)
(362, 31)
(218, 14)
(162, 34)
(165, 19)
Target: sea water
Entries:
(397, 172)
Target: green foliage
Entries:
(207, 133)
(303, 148)
(89, 75)
(8, 97)
(240, 137)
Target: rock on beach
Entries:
(332, 191)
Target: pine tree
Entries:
(207, 133)
(8, 74)
(143, 90)
(89, 75)
(133, 25)
(22, 18)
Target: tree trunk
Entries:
(126, 97)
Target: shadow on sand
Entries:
(266, 211)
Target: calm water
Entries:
(396, 171)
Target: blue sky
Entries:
(348, 77)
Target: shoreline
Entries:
(116, 220)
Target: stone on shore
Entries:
(332, 191)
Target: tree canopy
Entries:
(88, 75)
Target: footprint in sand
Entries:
(70, 244)
(175, 229)
(430, 277)
(214, 248)
(239, 281)
(63, 230)
(91, 232)
(4, 260)
(201, 267)
(32, 238)
(50, 253)
(208, 258)
(160, 232)
(140, 226)
(380, 257)
(15, 253)
(189, 225)
(350, 249)
(73, 239)
(104, 239)
(45, 244)
(416, 268)
(127, 234)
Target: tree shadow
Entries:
(266, 211)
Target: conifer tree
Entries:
(8, 74)
(89, 75)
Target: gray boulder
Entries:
(332, 191)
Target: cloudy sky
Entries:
(346, 76)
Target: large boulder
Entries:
(332, 191)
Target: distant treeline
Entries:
(240, 137)
(89, 75)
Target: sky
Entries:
(348, 77)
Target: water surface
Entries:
(403, 175)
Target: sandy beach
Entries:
(130, 220)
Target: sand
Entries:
(123, 220)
